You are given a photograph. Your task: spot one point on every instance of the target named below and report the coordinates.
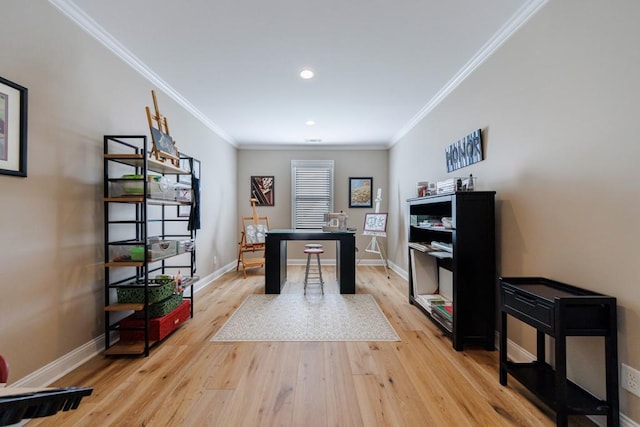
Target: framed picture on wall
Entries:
(13, 129)
(360, 192)
(263, 190)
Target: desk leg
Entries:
(540, 347)
(347, 264)
(503, 348)
(338, 261)
(283, 263)
(272, 268)
(562, 415)
(611, 370)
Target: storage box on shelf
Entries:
(139, 242)
(452, 264)
(132, 328)
(156, 290)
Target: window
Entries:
(312, 192)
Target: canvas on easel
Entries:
(252, 240)
(375, 224)
(164, 147)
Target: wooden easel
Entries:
(252, 240)
(374, 247)
(164, 147)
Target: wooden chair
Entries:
(252, 240)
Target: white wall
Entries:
(558, 105)
(51, 223)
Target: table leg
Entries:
(503, 348)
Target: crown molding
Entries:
(84, 21)
(502, 35)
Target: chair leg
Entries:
(320, 274)
(306, 273)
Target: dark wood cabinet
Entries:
(455, 262)
(560, 310)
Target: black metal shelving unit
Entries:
(131, 220)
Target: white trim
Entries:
(501, 36)
(70, 361)
(399, 271)
(62, 366)
(77, 15)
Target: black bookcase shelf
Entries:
(462, 269)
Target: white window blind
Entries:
(312, 192)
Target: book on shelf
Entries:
(442, 246)
(429, 301)
(431, 247)
(420, 246)
(446, 310)
(438, 314)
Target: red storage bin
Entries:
(159, 327)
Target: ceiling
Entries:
(379, 65)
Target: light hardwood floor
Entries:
(190, 381)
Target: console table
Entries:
(560, 310)
(276, 257)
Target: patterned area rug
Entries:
(295, 317)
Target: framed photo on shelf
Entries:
(13, 128)
(360, 192)
(375, 224)
(263, 189)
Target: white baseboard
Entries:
(70, 361)
(400, 271)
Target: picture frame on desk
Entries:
(360, 192)
(13, 128)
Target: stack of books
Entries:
(443, 313)
(446, 186)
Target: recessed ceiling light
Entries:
(310, 123)
(306, 74)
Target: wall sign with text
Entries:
(465, 152)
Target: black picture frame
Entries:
(13, 128)
(360, 192)
(263, 190)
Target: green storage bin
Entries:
(159, 289)
(163, 307)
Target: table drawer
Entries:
(536, 311)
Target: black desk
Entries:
(276, 257)
(560, 310)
